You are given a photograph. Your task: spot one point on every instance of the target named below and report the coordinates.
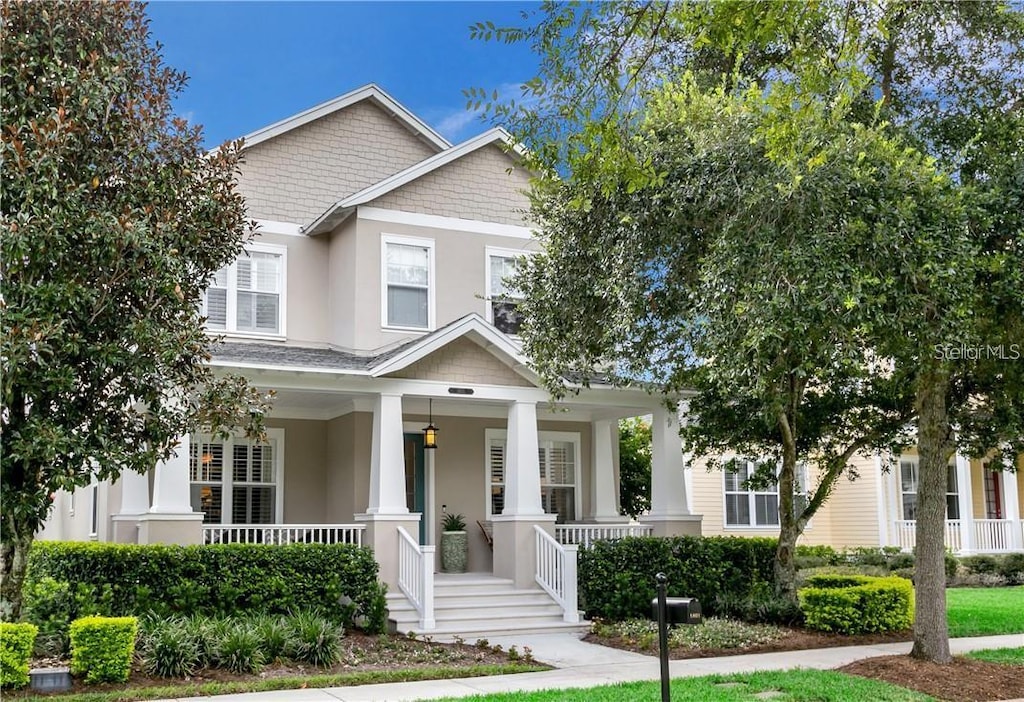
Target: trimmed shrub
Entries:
(53, 604)
(857, 604)
(215, 580)
(16, 642)
(102, 648)
(1011, 567)
(979, 565)
(616, 578)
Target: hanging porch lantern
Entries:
(430, 431)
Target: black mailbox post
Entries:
(679, 610)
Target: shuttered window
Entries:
(248, 295)
(244, 491)
(558, 455)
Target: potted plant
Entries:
(454, 544)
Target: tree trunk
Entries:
(13, 566)
(789, 528)
(931, 631)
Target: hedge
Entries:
(102, 648)
(16, 642)
(338, 580)
(616, 578)
(857, 604)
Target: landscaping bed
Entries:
(964, 680)
(364, 659)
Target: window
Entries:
(559, 458)
(908, 486)
(248, 295)
(502, 304)
(993, 495)
(94, 518)
(236, 480)
(745, 506)
(408, 277)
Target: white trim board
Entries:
(473, 226)
(371, 91)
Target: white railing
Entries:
(993, 535)
(556, 573)
(416, 576)
(585, 534)
(284, 534)
(906, 534)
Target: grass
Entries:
(796, 686)
(283, 683)
(985, 611)
(1010, 656)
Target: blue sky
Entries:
(253, 63)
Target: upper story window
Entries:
(502, 303)
(408, 282)
(747, 506)
(909, 467)
(248, 295)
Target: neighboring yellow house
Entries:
(876, 509)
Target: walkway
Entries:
(580, 664)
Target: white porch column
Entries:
(170, 519)
(387, 460)
(602, 486)
(134, 503)
(171, 488)
(881, 488)
(669, 514)
(1011, 510)
(522, 462)
(963, 493)
(515, 541)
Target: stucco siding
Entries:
(348, 470)
(463, 361)
(305, 465)
(476, 186)
(296, 176)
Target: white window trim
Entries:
(428, 244)
(802, 476)
(94, 509)
(916, 460)
(232, 300)
(489, 252)
(227, 480)
(542, 436)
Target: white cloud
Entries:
(458, 124)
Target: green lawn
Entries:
(797, 686)
(1012, 656)
(985, 611)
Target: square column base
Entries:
(515, 546)
(673, 524)
(185, 529)
(126, 528)
(382, 536)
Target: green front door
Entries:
(414, 480)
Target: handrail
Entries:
(416, 576)
(556, 573)
(585, 534)
(278, 534)
(993, 535)
(906, 534)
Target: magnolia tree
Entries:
(113, 220)
(802, 253)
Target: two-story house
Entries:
(373, 302)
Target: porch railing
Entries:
(284, 534)
(906, 534)
(556, 573)
(585, 534)
(993, 534)
(416, 576)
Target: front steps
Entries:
(475, 606)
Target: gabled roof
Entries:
(367, 92)
(298, 358)
(341, 209)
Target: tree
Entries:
(114, 220)
(947, 76)
(634, 466)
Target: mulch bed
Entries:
(359, 653)
(963, 680)
(795, 640)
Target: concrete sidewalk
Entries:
(580, 665)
